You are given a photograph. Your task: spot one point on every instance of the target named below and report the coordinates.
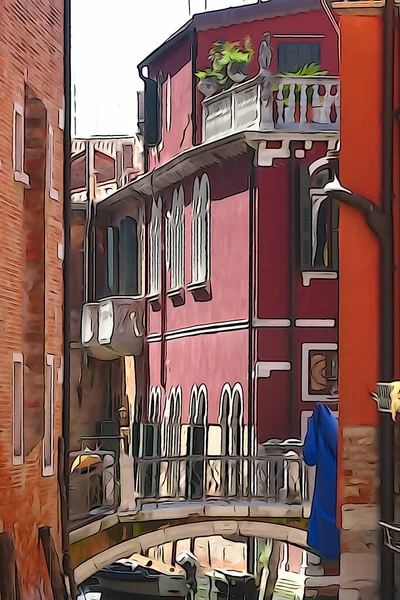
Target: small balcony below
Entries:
(278, 104)
(113, 327)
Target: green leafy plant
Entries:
(310, 70)
(222, 54)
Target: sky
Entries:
(109, 39)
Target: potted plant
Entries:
(229, 64)
(209, 82)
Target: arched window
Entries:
(177, 239)
(201, 230)
(129, 256)
(155, 248)
(150, 446)
(319, 222)
(197, 443)
(235, 421)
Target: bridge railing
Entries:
(280, 476)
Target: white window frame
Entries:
(53, 193)
(155, 248)
(18, 149)
(18, 410)
(48, 436)
(201, 204)
(305, 371)
(176, 240)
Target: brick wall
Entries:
(359, 513)
(31, 61)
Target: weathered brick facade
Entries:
(359, 561)
(31, 289)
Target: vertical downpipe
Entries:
(252, 437)
(293, 212)
(387, 300)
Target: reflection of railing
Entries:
(278, 477)
(93, 481)
(291, 104)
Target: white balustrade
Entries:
(290, 104)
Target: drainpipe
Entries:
(387, 300)
(252, 436)
(380, 221)
(63, 445)
(293, 233)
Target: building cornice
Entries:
(199, 157)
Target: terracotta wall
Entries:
(31, 289)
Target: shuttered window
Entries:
(292, 56)
(129, 257)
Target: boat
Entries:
(142, 577)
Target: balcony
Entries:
(278, 477)
(113, 327)
(284, 105)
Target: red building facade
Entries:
(235, 243)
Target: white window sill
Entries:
(308, 276)
(53, 193)
(17, 460)
(21, 177)
(48, 471)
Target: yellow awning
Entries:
(84, 461)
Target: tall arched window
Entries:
(155, 248)
(177, 239)
(201, 230)
(231, 420)
(171, 444)
(150, 446)
(197, 442)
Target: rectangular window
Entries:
(53, 193)
(129, 257)
(292, 56)
(48, 438)
(18, 409)
(112, 260)
(19, 145)
(320, 372)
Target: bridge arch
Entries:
(141, 543)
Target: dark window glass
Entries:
(112, 260)
(292, 56)
(129, 257)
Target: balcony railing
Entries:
(274, 104)
(280, 477)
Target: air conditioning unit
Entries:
(121, 326)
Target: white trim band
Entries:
(271, 323)
(315, 322)
(264, 369)
(205, 329)
(308, 276)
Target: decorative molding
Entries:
(308, 276)
(271, 323)
(305, 349)
(266, 156)
(315, 322)
(206, 329)
(264, 369)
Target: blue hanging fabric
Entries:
(320, 450)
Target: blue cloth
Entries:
(320, 450)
